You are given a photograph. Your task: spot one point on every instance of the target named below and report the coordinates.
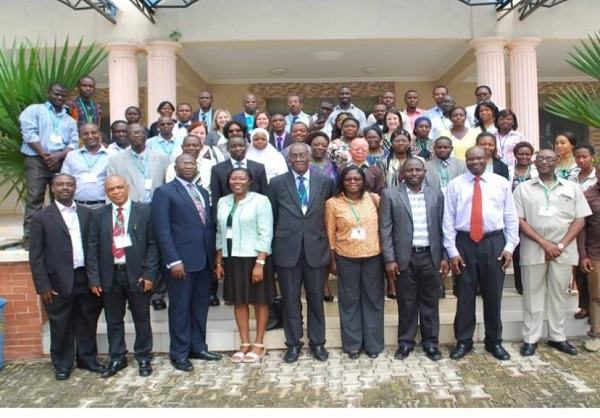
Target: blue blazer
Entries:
(179, 230)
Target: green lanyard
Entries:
(547, 190)
(135, 161)
(88, 118)
(55, 120)
(354, 212)
(421, 146)
(90, 166)
(521, 179)
(444, 173)
(233, 209)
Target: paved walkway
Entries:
(548, 379)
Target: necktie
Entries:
(238, 164)
(182, 125)
(279, 143)
(302, 191)
(196, 198)
(477, 212)
(294, 119)
(118, 230)
(204, 118)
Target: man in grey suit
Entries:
(443, 168)
(301, 251)
(410, 224)
(144, 170)
(122, 265)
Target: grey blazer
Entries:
(293, 230)
(432, 178)
(396, 225)
(123, 165)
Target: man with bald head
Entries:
(480, 246)
(122, 267)
(88, 165)
(248, 116)
(359, 150)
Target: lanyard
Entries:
(521, 179)
(88, 118)
(135, 161)
(422, 147)
(444, 173)
(55, 120)
(354, 212)
(547, 190)
(233, 209)
(170, 151)
(90, 166)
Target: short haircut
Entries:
(504, 113)
(228, 125)
(315, 134)
(411, 158)
(344, 173)
(483, 87)
(184, 104)
(585, 146)
(57, 175)
(442, 138)
(115, 123)
(523, 144)
(86, 77)
(245, 170)
(163, 103)
(58, 84)
(440, 86)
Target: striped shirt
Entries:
(40, 123)
(418, 210)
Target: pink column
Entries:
(162, 74)
(489, 53)
(122, 78)
(523, 87)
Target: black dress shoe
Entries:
(145, 368)
(292, 354)
(319, 352)
(94, 367)
(564, 346)
(432, 353)
(528, 349)
(206, 355)
(62, 374)
(391, 295)
(461, 350)
(159, 304)
(214, 300)
(498, 351)
(402, 352)
(182, 364)
(329, 298)
(353, 354)
(372, 354)
(114, 368)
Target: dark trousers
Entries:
(290, 283)
(37, 179)
(582, 287)
(114, 310)
(73, 321)
(419, 289)
(517, 269)
(159, 291)
(361, 302)
(188, 311)
(483, 267)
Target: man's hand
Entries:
(391, 270)
(96, 290)
(585, 265)
(551, 249)
(47, 296)
(457, 262)
(148, 285)
(444, 268)
(507, 259)
(178, 271)
(52, 161)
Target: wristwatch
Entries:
(261, 262)
(560, 246)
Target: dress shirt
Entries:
(202, 175)
(206, 118)
(140, 162)
(505, 146)
(165, 146)
(418, 211)
(300, 117)
(69, 215)
(243, 163)
(500, 212)
(126, 211)
(340, 221)
(306, 182)
(90, 172)
(565, 202)
(180, 130)
(412, 117)
(358, 114)
(39, 122)
(588, 241)
(113, 148)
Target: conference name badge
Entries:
(123, 241)
(358, 233)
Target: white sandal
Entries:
(239, 356)
(252, 357)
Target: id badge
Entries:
(546, 211)
(229, 233)
(89, 177)
(304, 208)
(148, 184)
(56, 139)
(123, 241)
(358, 233)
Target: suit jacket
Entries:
(500, 168)
(432, 177)
(142, 256)
(179, 230)
(124, 165)
(287, 140)
(295, 231)
(51, 251)
(219, 186)
(241, 118)
(396, 225)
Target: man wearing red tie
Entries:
(480, 246)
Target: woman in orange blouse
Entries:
(352, 228)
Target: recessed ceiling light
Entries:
(370, 70)
(328, 55)
(278, 71)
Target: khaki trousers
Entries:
(537, 279)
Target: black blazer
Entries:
(500, 168)
(142, 256)
(219, 186)
(51, 251)
(287, 140)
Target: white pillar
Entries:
(162, 75)
(489, 53)
(122, 78)
(524, 88)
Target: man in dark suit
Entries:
(248, 116)
(185, 232)
(410, 224)
(279, 137)
(122, 262)
(57, 259)
(301, 251)
(443, 168)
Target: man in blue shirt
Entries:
(49, 133)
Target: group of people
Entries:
(390, 204)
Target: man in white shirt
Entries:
(344, 95)
(295, 103)
(184, 120)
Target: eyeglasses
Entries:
(300, 156)
(188, 164)
(547, 159)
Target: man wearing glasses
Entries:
(551, 214)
